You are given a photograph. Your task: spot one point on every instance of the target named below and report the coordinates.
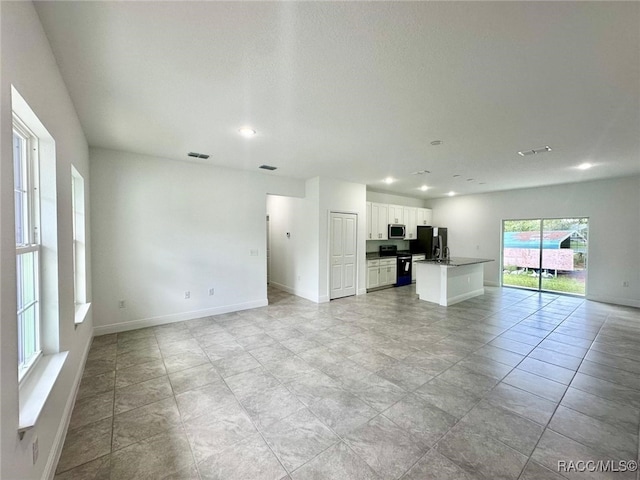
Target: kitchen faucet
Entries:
(446, 253)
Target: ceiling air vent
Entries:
(198, 155)
(526, 153)
(267, 167)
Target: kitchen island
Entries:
(450, 281)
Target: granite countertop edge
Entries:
(457, 261)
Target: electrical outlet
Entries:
(187, 295)
(253, 252)
(121, 304)
(211, 291)
(625, 283)
(34, 450)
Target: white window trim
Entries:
(78, 199)
(33, 234)
(36, 386)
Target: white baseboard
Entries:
(627, 302)
(294, 291)
(280, 286)
(176, 317)
(464, 296)
(491, 284)
(58, 441)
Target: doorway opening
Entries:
(546, 254)
(268, 251)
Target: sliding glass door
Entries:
(545, 254)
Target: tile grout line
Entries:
(558, 406)
(407, 392)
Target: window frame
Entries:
(29, 165)
(78, 226)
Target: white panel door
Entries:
(343, 255)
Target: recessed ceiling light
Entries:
(436, 142)
(268, 167)
(424, 188)
(389, 180)
(456, 176)
(585, 166)
(469, 179)
(526, 153)
(247, 132)
(420, 172)
(451, 194)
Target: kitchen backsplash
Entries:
(374, 245)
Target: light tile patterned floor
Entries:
(379, 386)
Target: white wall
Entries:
(162, 227)
(345, 197)
(613, 208)
(28, 64)
(380, 197)
(294, 258)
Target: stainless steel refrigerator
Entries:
(431, 241)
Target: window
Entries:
(79, 258)
(26, 193)
(546, 254)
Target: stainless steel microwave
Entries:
(397, 231)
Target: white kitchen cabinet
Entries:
(395, 214)
(373, 273)
(423, 217)
(380, 215)
(382, 272)
(388, 271)
(409, 215)
(379, 221)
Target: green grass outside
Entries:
(558, 284)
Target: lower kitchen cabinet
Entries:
(373, 273)
(382, 272)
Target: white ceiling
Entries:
(358, 90)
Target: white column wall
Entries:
(345, 197)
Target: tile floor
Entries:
(379, 386)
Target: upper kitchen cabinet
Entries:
(378, 220)
(380, 215)
(423, 217)
(395, 214)
(409, 214)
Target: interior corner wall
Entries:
(345, 197)
(28, 64)
(294, 243)
(162, 228)
(613, 208)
